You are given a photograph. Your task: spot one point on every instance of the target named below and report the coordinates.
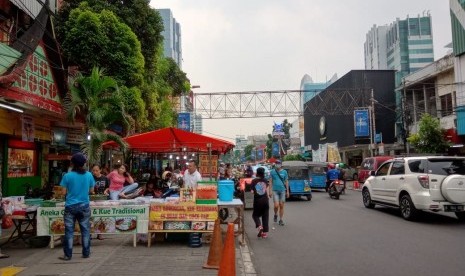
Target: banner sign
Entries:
(378, 137)
(103, 220)
(204, 165)
(275, 150)
(333, 153)
(185, 217)
(361, 123)
(323, 152)
(184, 121)
(260, 154)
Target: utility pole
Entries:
(373, 124)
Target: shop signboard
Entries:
(204, 165)
(361, 123)
(182, 217)
(75, 136)
(184, 121)
(104, 220)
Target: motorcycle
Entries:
(336, 188)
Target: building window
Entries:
(446, 105)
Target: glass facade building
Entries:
(404, 45)
(172, 36)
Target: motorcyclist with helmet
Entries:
(332, 175)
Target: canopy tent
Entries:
(171, 139)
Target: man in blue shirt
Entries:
(78, 184)
(331, 175)
(280, 187)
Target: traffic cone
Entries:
(216, 246)
(228, 258)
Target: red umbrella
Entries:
(174, 140)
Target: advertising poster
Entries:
(260, 154)
(184, 121)
(316, 155)
(103, 220)
(204, 165)
(275, 150)
(185, 217)
(28, 129)
(333, 153)
(361, 123)
(323, 152)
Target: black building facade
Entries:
(329, 115)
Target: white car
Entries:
(413, 184)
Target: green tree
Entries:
(293, 157)
(96, 100)
(144, 21)
(135, 106)
(430, 137)
(101, 39)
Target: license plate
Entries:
(453, 208)
(306, 189)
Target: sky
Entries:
(268, 45)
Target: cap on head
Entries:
(278, 162)
(78, 159)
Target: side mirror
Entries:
(372, 173)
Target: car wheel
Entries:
(367, 199)
(309, 197)
(460, 216)
(407, 209)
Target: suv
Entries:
(413, 184)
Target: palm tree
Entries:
(97, 101)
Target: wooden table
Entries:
(19, 221)
(238, 206)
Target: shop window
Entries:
(21, 162)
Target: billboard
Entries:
(361, 123)
(184, 121)
(275, 150)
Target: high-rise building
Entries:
(197, 124)
(172, 36)
(404, 46)
(376, 48)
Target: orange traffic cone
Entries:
(216, 246)
(228, 258)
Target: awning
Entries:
(173, 140)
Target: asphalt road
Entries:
(341, 237)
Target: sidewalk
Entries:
(116, 256)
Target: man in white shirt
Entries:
(191, 175)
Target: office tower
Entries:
(172, 36)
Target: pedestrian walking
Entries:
(280, 187)
(261, 206)
(78, 184)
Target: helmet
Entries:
(331, 166)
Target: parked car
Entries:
(370, 164)
(414, 184)
(350, 173)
